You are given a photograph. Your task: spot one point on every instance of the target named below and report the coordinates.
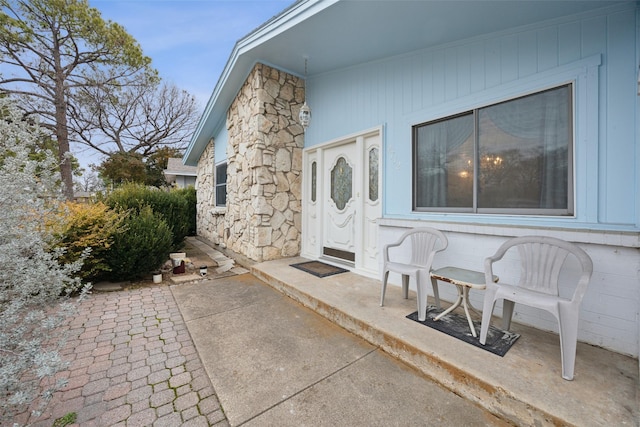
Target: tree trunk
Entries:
(62, 135)
(62, 132)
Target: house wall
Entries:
(209, 219)
(262, 217)
(183, 181)
(598, 52)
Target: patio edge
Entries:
(494, 399)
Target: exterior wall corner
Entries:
(261, 220)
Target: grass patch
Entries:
(65, 420)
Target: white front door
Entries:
(342, 202)
(340, 173)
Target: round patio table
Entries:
(464, 280)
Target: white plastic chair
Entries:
(424, 244)
(541, 259)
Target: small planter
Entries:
(177, 260)
(177, 257)
(157, 277)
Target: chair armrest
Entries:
(385, 250)
(489, 261)
(489, 277)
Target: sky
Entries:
(188, 41)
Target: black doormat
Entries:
(319, 269)
(456, 325)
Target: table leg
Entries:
(465, 299)
(454, 306)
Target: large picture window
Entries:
(514, 157)
(221, 184)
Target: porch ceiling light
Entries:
(305, 111)
(305, 115)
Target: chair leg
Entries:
(385, 276)
(436, 295)
(405, 286)
(568, 328)
(422, 295)
(487, 311)
(507, 314)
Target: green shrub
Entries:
(171, 206)
(142, 247)
(78, 226)
(189, 195)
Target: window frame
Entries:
(474, 209)
(218, 185)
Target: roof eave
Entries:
(237, 69)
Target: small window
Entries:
(221, 184)
(373, 174)
(314, 179)
(514, 157)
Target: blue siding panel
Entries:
(477, 68)
(493, 67)
(547, 53)
(569, 43)
(432, 83)
(619, 163)
(527, 63)
(416, 83)
(594, 36)
(451, 74)
(439, 79)
(463, 61)
(509, 58)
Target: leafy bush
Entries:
(79, 226)
(142, 246)
(189, 195)
(33, 280)
(171, 206)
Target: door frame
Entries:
(312, 241)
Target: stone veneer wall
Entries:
(209, 219)
(262, 219)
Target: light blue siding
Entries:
(547, 48)
(569, 42)
(619, 161)
(425, 85)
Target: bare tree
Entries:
(50, 50)
(88, 180)
(138, 118)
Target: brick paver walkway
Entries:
(133, 363)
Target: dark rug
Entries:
(319, 269)
(456, 325)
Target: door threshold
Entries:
(338, 262)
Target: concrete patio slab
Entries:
(219, 296)
(270, 348)
(524, 387)
(274, 362)
(375, 390)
